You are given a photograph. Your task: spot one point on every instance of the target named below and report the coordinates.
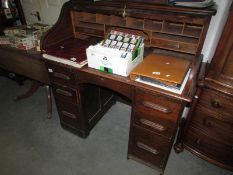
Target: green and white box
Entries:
(113, 60)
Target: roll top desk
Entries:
(84, 95)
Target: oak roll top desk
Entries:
(83, 95)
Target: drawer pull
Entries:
(68, 114)
(156, 107)
(215, 103)
(207, 123)
(198, 142)
(60, 75)
(152, 124)
(147, 148)
(63, 92)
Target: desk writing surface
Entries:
(31, 52)
(96, 77)
(26, 63)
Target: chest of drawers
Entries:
(208, 130)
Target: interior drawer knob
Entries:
(215, 103)
(208, 123)
(198, 142)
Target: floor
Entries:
(31, 144)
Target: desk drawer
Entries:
(149, 147)
(218, 102)
(156, 124)
(211, 123)
(60, 74)
(174, 45)
(208, 146)
(157, 105)
(65, 94)
(69, 113)
(115, 85)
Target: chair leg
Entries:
(49, 101)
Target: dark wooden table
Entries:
(30, 65)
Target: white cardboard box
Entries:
(113, 60)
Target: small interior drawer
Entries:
(134, 23)
(60, 74)
(90, 28)
(65, 94)
(154, 25)
(209, 147)
(149, 147)
(69, 113)
(174, 45)
(211, 123)
(218, 102)
(160, 126)
(157, 105)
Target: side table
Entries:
(29, 64)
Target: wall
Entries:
(49, 10)
(49, 7)
(215, 29)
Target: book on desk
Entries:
(165, 72)
(71, 52)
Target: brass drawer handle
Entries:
(63, 92)
(68, 114)
(152, 124)
(215, 103)
(60, 75)
(156, 107)
(147, 148)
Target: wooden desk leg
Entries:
(34, 86)
(178, 146)
(49, 101)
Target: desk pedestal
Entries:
(84, 95)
